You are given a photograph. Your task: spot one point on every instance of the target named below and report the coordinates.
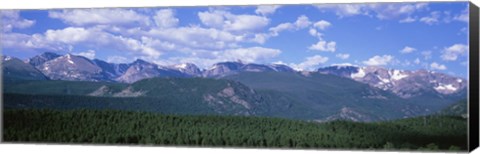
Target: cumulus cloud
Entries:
(197, 37)
(117, 59)
(417, 61)
(407, 49)
(302, 22)
(324, 46)
(432, 19)
(378, 60)
(11, 19)
(69, 35)
(408, 20)
(252, 54)
(221, 19)
(343, 56)
(65, 39)
(344, 10)
(463, 16)
(266, 9)
(315, 33)
(451, 53)
(85, 17)
(322, 24)
(427, 55)
(310, 63)
(26, 42)
(165, 18)
(437, 66)
(281, 27)
(90, 54)
(380, 11)
(393, 11)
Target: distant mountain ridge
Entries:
(403, 83)
(330, 93)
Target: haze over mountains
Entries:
(235, 88)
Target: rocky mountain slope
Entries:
(403, 83)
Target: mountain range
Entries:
(234, 88)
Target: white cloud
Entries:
(451, 53)
(227, 21)
(302, 22)
(315, 33)
(378, 60)
(117, 59)
(407, 49)
(322, 24)
(380, 11)
(90, 54)
(432, 19)
(417, 61)
(83, 17)
(407, 20)
(437, 66)
(281, 27)
(197, 37)
(427, 55)
(324, 46)
(66, 39)
(464, 16)
(212, 19)
(266, 9)
(393, 11)
(11, 19)
(249, 55)
(69, 35)
(165, 18)
(25, 42)
(310, 63)
(344, 10)
(343, 56)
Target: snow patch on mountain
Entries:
(398, 75)
(445, 88)
(359, 74)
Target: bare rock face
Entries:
(129, 92)
(42, 58)
(349, 114)
(223, 69)
(141, 69)
(189, 69)
(71, 67)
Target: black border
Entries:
(473, 107)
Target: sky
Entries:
(408, 36)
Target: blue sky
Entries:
(408, 36)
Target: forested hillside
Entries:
(122, 127)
